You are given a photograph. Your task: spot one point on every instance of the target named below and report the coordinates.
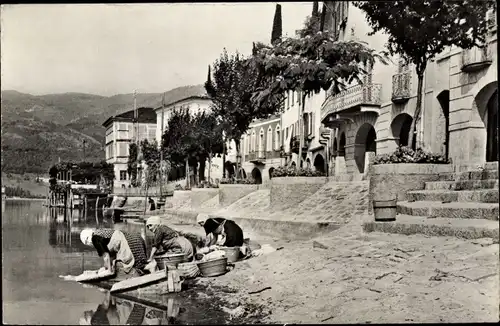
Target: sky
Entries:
(118, 48)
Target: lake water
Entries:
(39, 244)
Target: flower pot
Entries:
(385, 210)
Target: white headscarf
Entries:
(201, 218)
(86, 236)
(153, 220)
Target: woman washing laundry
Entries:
(224, 232)
(123, 252)
(167, 240)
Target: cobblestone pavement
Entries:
(373, 278)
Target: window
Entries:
(269, 140)
(122, 149)
(253, 141)
(293, 98)
(247, 140)
(261, 140)
(110, 153)
(277, 142)
(123, 126)
(288, 100)
(123, 175)
(286, 133)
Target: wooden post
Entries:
(96, 205)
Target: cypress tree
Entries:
(323, 16)
(315, 12)
(277, 25)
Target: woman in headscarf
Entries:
(122, 251)
(223, 232)
(168, 240)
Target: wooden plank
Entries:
(137, 282)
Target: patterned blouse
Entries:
(101, 238)
(163, 233)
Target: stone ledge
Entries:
(291, 230)
(410, 168)
(298, 180)
(465, 229)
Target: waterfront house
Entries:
(121, 131)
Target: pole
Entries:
(300, 133)
(224, 157)
(161, 147)
(136, 133)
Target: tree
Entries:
(234, 82)
(208, 137)
(419, 30)
(277, 26)
(308, 65)
(132, 164)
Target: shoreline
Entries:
(21, 198)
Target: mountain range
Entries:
(37, 130)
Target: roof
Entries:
(182, 93)
(145, 115)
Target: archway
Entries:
(342, 145)
(400, 127)
(319, 163)
(364, 143)
(308, 163)
(492, 128)
(443, 129)
(293, 165)
(335, 148)
(271, 173)
(486, 102)
(257, 176)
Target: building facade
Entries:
(261, 149)
(343, 132)
(194, 99)
(120, 132)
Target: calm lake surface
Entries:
(39, 244)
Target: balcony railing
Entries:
(253, 156)
(476, 59)
(359, 95)
(401, 87)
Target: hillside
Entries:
(38, 130)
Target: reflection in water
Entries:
(118, 311)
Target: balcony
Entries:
(359, 98)
(295, 144)
(476, 59)
(401, 87)
(256, 157)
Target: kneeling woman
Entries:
(124, 252)
(167, 240)
(223, 232)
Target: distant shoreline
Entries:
(21, 198)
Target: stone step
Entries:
(480, 196)
(491, 165)
(469, 175)
(459, 210)
(460, 228)
(462, 185)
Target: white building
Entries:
(194, 99)
(120, 132)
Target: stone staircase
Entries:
(463, 205)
